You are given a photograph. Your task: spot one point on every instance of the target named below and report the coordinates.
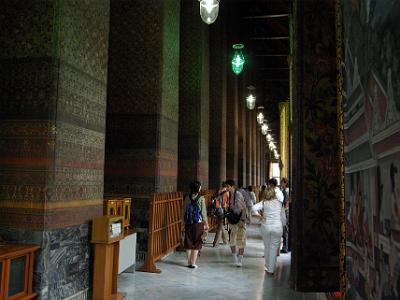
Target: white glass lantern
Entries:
(250, 101)
(260, 118)
(264, 128)
(251, 98)
(269, 137)
(209, 10)
(271, 145)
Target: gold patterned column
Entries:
(339, 81)
(284, 137)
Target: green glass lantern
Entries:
(238, 59)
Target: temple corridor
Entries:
(109, 109)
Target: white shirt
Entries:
(271, 209)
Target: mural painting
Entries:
(372, 147)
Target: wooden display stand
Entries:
(110, 207)
(118, 207)
(105, 277)
(16, 269)
(127, 212)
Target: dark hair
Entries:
(250, 188)
(195, 187)
(285, 180)
(263, 187)
(273, 182)
(230, 182)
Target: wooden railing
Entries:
(165, 227)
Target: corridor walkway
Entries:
(216, 277)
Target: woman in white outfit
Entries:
(269, 211)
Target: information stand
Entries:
(107, 231)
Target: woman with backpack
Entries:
(270, 212)
(195, 220)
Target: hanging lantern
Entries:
(209, 10)
(264, 128)
(250, 101)
(237, 59)
(269, 137)
(271, 145)
(260, 118)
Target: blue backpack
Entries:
(192, 213)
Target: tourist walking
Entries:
(223, 195)
(270, 212)
(248, 201)
(195, 220)
(237, 221)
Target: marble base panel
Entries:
(63, 265)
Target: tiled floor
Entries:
(216, 277)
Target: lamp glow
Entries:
(250, 101)
(238, 59)
(260, 118)
(209, 10)
(264, 129)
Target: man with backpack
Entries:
(236, 216)
(220, 205)
(248, 200)
(195, 220)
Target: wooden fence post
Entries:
(149, 265)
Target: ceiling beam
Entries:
(275, 79)
(263, 69)
(266, 16)
(271, 55)
(270, 38)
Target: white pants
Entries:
(271, 235)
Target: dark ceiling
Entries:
(263, 27)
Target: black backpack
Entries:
(233, 218)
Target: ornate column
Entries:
(52, 129)
(142, 105)
(284, 137)
(259, 135)
(218, 91)
(232, 128)
(255, 127)
(242, 138)
(193, 98)
(315, 184)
